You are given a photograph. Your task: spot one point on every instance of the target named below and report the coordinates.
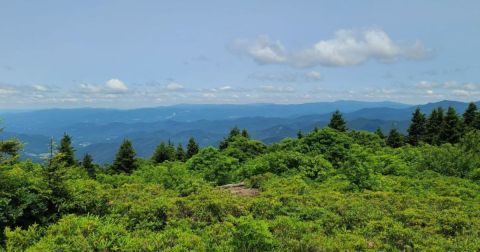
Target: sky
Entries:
(127, 54)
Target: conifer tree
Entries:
(451, 127)
(245, 133)
(164, 152)
(299, 134)
(434, 126)
(125, 160)
(417, 130)
(233, 133)
(66, 151)
(192, 148)
(469, 116)
(395, 139)
(180, 153)
(87, 164)
(337, 122)
(379, 133)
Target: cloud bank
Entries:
(346, 48)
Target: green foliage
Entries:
(88, 165)
(418, 128)
(192, 148)
(395, 139)
(434, 126)
(325, 191)
(180, 153)
(164, 152)
(213, 165)
(451, 130)
(125, 160)
(337, 122)
(66, 153)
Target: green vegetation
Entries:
(329, 189)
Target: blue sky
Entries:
(149, 53)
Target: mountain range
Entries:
(100, 131)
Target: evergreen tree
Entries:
(395, 139)
(245, 134)
(337, 122)
(233, 133)
(470, 115)
(164, 152)
(299, 134)
(192, 148)
(65, 151)
(125, 160)
(87, 164)
(434, 126)
(379, 133)
(417, 130)
(180, 153)
(451, 127)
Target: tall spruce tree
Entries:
(66, 153)
(337, 122)
(300, 134)
(125, 160)
(450, 132)
(418, 128)
(379, 133)
(395, 139)
(469, 116)
(180, 153)
(434, 126)
(192, 148)
(245, 133)
(164, 152)
(88, 165)
(233, 133)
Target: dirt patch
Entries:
(240, 190)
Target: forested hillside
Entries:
(328, 189)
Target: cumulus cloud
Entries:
(346, 48)
(262, 50)
(112, 86)
(175, 87)
(116, 85)
(40, 88)
(7, 89)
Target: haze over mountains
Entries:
(99, 131)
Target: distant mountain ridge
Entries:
(99, 131)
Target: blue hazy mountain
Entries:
(100, 131)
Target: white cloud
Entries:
(349, 47)
(4, 91)
(116, 85)
(276, 89)
(313, 75)
(262, 50)
(346, 48)
(40, 88)
(175, 87)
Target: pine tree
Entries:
(417, 130)
(164, 152)
(379, 133)
(299, 134)
(180, 153)
(469, 116)
(65, 151)
(451, 128)
(87, 164)
(434, 126)
(233, 133)
(395, 139)
(192, 148)
(245, 133)
(125, 160)
(337, 122)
